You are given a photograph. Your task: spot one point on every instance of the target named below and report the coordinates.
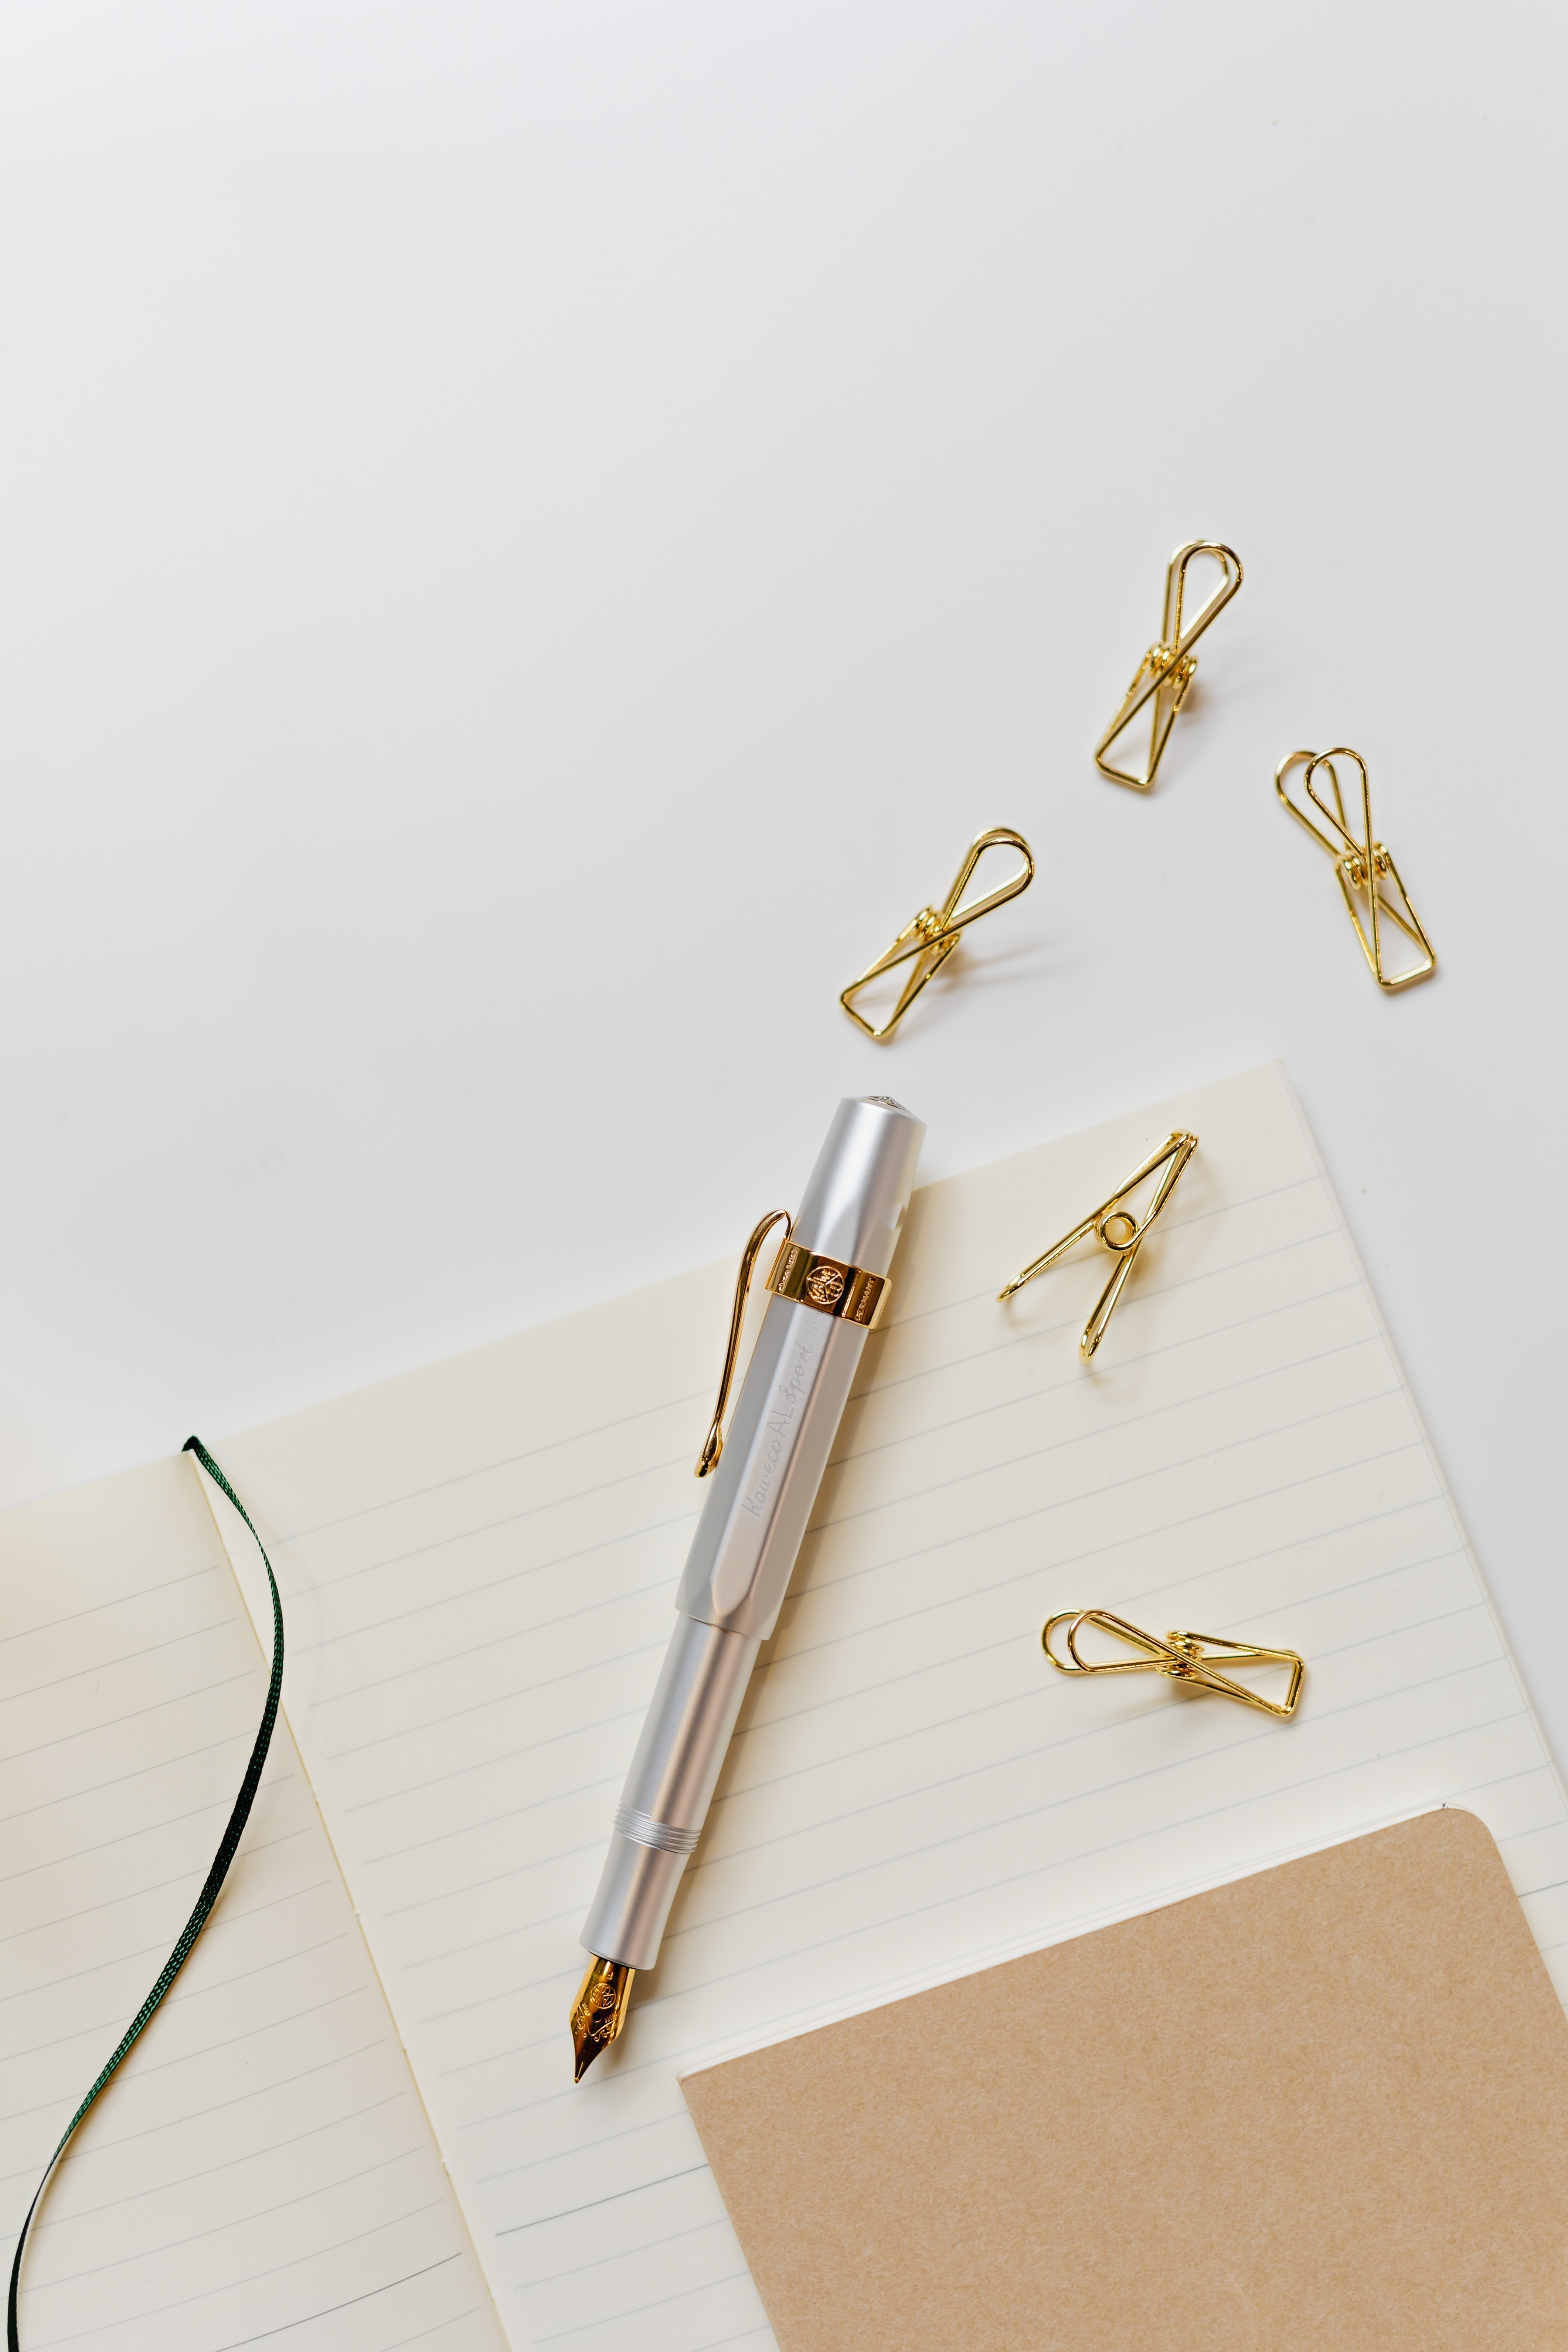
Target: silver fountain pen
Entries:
(829, 1284)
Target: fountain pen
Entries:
(828, 1286)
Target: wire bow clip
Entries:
(1166, 671)
(1364, 867)
(931, 937)
(1183, 1657)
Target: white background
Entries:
(533, 537)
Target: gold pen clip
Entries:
(1118, 1230)
(802, 1278)
(713, 1444)
(932, 936)
(1361, 866)
(1167, 670)
(1183, 1657)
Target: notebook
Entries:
(478, 1564)
(1327, 2104)
(261, 2172)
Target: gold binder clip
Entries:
(932, 936)
(1167, 670)
(1120, 1231)
(1184, 1657)
(1360, 866)
(713, 1444)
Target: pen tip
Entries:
(599, 2012)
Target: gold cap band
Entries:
(834, 1289)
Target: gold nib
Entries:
(599, 2011)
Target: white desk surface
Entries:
(534, 538)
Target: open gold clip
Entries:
(1184, 1657)
(1363, 866)
(1118, 1230)
(932, 936)
(1167, 670)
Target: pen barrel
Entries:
(753, 1520)
(668, 1788)
(730, 1597)
(785, 1420)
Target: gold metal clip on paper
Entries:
(1118, 1230)
(932, 936)
(829, 1284)
(1167, 670)
(1363, 866)
(1184, 1657)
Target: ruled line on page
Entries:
(1050, 1388)
(472, 1535)
(462, 1714)
(1037, 1871)
(456, 1658)
(81, 2212)
(161, 2311)
(1152, 1288)
(1245, 1737)
(1130, 1599)
(114, 1722)
(639, 2311)
(256, 2213)
(450, 1599)
(391, 2286)
(640, 2189)
(468, 1477)
(511, 1755)
(1058, 1804)
(679, 1461)
(272, 2025)
(164, 1822)
(116, 1779)
(143, 1593)
(745, 1730)
(431, 1665)
(123, 1658)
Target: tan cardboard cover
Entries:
(1325, 2106)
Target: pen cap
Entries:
(856, 1195)
(798, 1381)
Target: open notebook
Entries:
(478, 1564)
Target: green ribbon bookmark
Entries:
(211, 1889)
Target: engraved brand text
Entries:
(783, 1415)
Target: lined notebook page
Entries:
(260, 2171)
(482, 1562)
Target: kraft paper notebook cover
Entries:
(355, 2124)
(1325, 2106)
